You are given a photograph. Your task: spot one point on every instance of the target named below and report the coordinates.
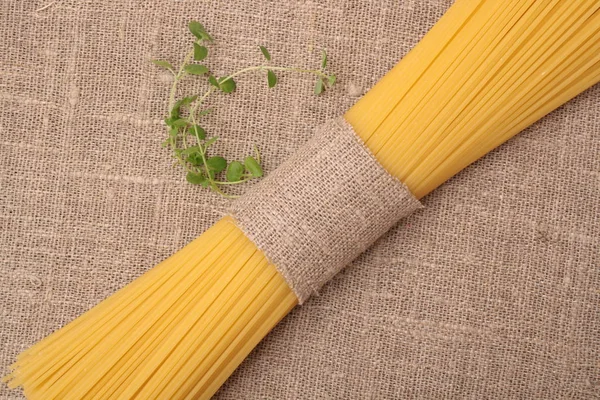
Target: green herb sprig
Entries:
(189, 142)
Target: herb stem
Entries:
(184, 140)
(231, 183)
(178, 77)
(202, 151)
(229, 196)
(199, 101)
(267, 67)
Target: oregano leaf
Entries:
(216, 164)
(181, 122)
(235, 170)
(253, 167)
(211, 141)
(164, 64)
(323, 59)
(195, 179)
(271, 78)
(331, 80)
(265, 53)
(175, 111)
(196, 69)
(186, 101)
(319, 88)
(213, 81)
(227, 85)
(189, 100)
(195, 159)
(197, 29)
(200, 52)
(197, 132)
(190, 150)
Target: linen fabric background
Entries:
(491, 291)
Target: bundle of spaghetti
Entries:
(484, 73)
(486, 70)
(192, 300)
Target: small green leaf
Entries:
(331, 80)
(271, 78)
(175, 112)
(196, 69)
(265, 52)
(181, 122)
(200, 52)
(197, 132)
(235, 170)
(253, 167)
(211, 141)
(213, 81)
(227, 85)
(195, 179)
(198, 30)
(169, 121)
(323, 59)
(163, 64)
(181, 103)
(216, 164)
(205, 112)
(319, 87)
(190, 150)
(186, 101)
(195, 159)
(173, 132)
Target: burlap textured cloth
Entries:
(322, 208)
(492, 291)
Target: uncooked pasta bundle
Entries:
(487, 70)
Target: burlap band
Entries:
(322, 208)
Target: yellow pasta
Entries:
(487, 70)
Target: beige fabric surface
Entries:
(492, 291)
(322, 207)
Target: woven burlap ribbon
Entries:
(322, 208)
